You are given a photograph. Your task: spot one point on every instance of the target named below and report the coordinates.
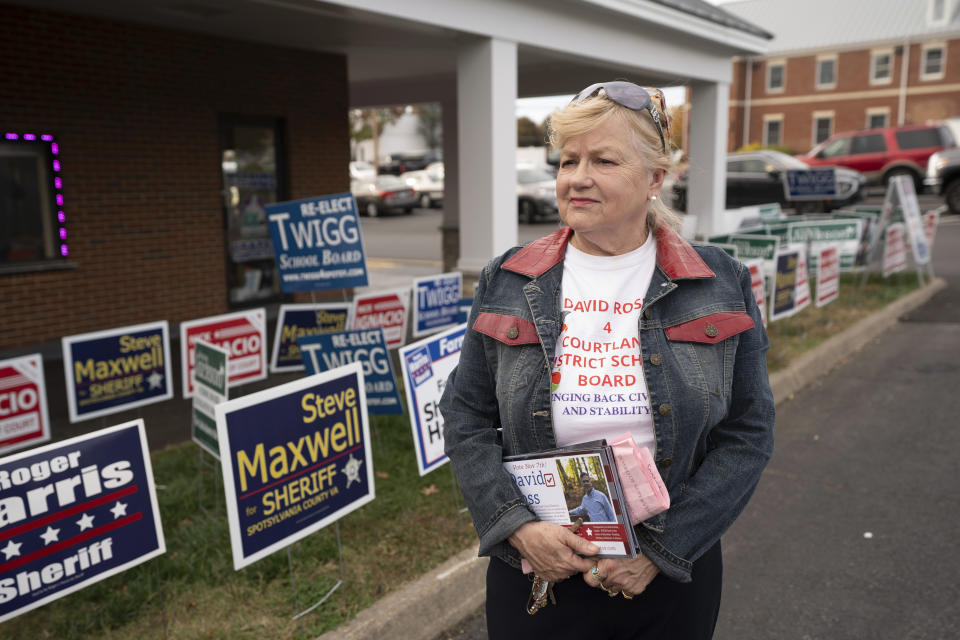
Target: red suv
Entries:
(881, 153)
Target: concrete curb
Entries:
(426, 607)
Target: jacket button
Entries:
(665, 409)
(656, 360)
(512, 333)
(646, 313)
(711, 330)
(666, 462)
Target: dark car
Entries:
(383, 194)
(880, 154)
(402, 162)
(943, 177)
(756, 177)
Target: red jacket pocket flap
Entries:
(711, 329)
(506, 329)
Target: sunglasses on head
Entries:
(631, 96)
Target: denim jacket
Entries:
(703, 347)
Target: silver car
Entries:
(536, 193)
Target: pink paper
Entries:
(641, 483)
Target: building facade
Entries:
(844, 65)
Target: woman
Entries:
(611, 324)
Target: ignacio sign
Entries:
(23, 403)
(74, 513)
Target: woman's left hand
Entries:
(630, 575)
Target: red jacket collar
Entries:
(674, 255)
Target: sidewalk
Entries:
(432, 604)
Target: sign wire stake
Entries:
(201, 463)
(163, 600)
(336, 528)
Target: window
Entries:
(919, 138)
(933, 61)
(878, 117)
(869, 143)
(32, 220)
(835, 149)
(826, 71)
(773, 130)
(881, 66)
(776, 76)
(822, 126)
(937, 13)
(252, 165)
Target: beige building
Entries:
(842, 65)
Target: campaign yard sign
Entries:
(317, 243)
(425, 367)
(386, 310)
(783, 294)
(930, 221)
(894, 249)
(845, 234)
(209, 390)
(118, 369)
(802, 298)
(74, 513)
(813, 183)
(368, 347)
(298, 320)
(295, 458)
(24, 420)
(243, 334)
(828, 276)
(436, 302)
(907, 197)
(758, 285)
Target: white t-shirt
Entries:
(598, 388)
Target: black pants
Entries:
(666, 610)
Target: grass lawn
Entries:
(413, 525)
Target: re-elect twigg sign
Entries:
(295, 458)
(317, 243)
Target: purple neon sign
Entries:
(57, 181)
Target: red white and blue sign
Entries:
(436, 302)
(242, 334)
(327, 351)
(317, 243)
(813, 183)
(118, 369)
(295, 459)
(74, 513)
(300, 320)
(23, 403)
(426, 366)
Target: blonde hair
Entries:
(580, 117)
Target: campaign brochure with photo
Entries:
(579, 481)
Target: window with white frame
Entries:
(773, 129)
(881, 66)
(776, 75)
(933, 61)
(937, 13)
(878, 117)
(827, 71)
(822, 126)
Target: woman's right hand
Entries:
(553, 551)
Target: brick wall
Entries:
(135, 112)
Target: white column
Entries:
(707, 179)
(487, 143)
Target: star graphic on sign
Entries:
(119, 510)
(12, 549)
(50, 536)
(155, 379)
(352, 469)
(589, 531)
(86, 522)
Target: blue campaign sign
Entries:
(464, 313)
(327, 351)
(810, 184)
(298, 320)
(426, 366)
(436, 302)
(118, 369)
(295, 458)
(317, 243)
(74, 513)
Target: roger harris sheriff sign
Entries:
(118, 369)
(295, 458)
(74, 513)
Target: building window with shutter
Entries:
(773, 130)
(822, 126)
(933, 61)
(881, 66)
(878, 117)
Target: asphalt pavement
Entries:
(852, 533)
